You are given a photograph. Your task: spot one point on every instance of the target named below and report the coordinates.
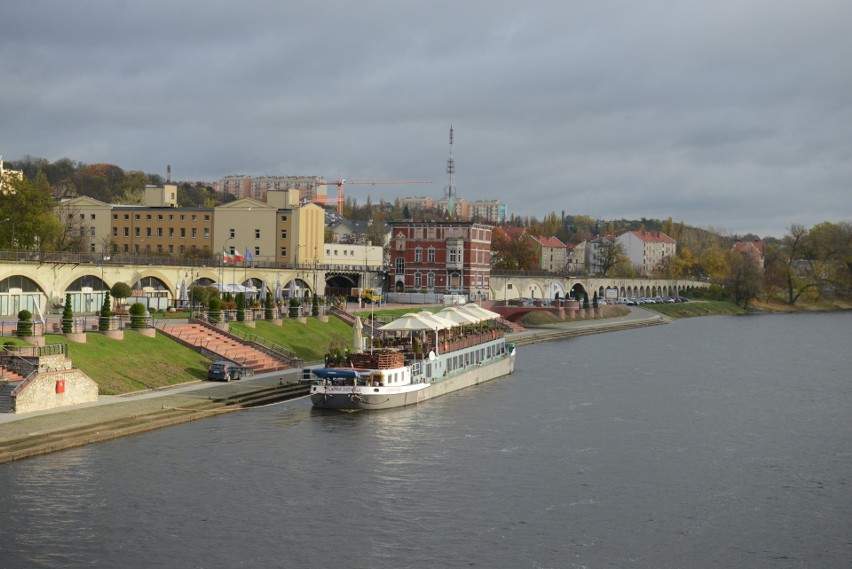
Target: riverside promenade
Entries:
(113, 416)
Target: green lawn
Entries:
(135, 363)
(696, 308)
(310, 341)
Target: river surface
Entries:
(708, 442)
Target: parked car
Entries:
(224, 371)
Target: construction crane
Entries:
(341, 181)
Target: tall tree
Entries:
(743, 279)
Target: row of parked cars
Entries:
(635, 301)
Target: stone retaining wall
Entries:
(53, 389)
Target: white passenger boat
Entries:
(459, 356)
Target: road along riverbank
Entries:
(32, 434)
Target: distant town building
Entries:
(646, 249)
(444, 257)
(7, 176)
(575, 262)
(549, 253)
(754, 248)
(279, 230)
(311, 188)
(483, 211)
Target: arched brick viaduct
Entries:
(511, 287)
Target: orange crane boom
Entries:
(341, 181)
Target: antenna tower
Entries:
(450, 193)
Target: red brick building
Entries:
(450, 257)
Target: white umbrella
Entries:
(182, 294)
(457, 316)
(279, 294)
(481, 313)
(359, 326)
(407, 323)
(439, 322)
(293, 288)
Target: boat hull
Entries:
(471, 376)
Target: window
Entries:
(283, 234)
(430, 280)
(283, 218)
(92, 216)
(207, 233)
(159, 232)
(257, 233)
(232, 233)
(160, 216)
(183, 232)
(206, 218)
(418, 255)
(194, 232)
(148, 217)
(452, 255)
(283, 251)
(171, 231)
(126, 216)
(171, 249)
(400, 265)
(430, 255)
(257, 251)
(127, 232)
(115, 231)
(171, 217)
(82, 216)
(138, 233)
(193, 217)
(138, 217)
(418, 280)
(182, 217)
(91, 247)
(115, 216)
(147, 232)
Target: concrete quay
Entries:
(42, 432)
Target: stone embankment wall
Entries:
(55, 389)
(56, 383)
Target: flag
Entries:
(237, 256)
(227, 256)
(249, 257)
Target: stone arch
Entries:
(18, 292)
(152, 291)
(87, 293)
(577, 291)
(555, 287)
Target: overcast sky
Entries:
(734, 115)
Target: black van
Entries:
(224, 371)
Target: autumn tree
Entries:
(743, 277)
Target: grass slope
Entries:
(135, 363)
(310, 341)
(696, 308)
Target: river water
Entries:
(709, 442)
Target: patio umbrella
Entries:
(182, 294)
(279, 294)
(293, 288)
(439, 322)
(481, 313)
(407, 323)
(457, 316)
(358, 340)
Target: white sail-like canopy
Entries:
(481, 313)
(457, 316)
(439, 323)
(407, 322)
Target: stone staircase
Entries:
(9, 380)
(224, 346)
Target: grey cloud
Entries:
(726, 114)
